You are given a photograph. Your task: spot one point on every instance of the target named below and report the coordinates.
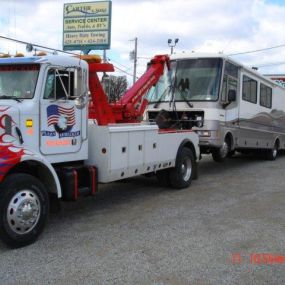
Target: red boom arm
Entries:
(131, 106)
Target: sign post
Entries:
(87, 26)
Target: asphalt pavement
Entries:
(227, 228)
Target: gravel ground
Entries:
(136, 232)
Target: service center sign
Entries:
(87, 26)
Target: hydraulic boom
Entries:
(131, 106)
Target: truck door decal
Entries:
(62, 119)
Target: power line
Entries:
(130, 74)
(143, 57)
(257, 50)
(36, 45)
(270, 64)
(124, 71)
(124, 66)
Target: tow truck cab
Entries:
(44, 99)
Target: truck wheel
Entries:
(271, 154)
(181, 175)
(24, 207)
(163, 177)
(220, 154)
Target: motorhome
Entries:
(237, 108)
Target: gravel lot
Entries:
(136, 232)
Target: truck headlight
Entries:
(199, 121)
(203, 133)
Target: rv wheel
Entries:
(231, 153)
(271, 154)
(24, 207)
(219, 154)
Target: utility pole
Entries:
(135, 60)
(134, 57)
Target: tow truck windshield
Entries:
(189, 80)
(18, 81)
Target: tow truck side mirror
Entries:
(232, 95)
(81, 101)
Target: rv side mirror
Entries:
(232, 95)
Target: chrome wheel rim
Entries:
(186, 169)
(274, 153)
(224, 149)
(23, 212)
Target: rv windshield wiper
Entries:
(2, 96)
(188, 102)
(184, 98)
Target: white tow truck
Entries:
(60, 137)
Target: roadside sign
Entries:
(87, 26)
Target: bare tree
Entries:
(115, 87)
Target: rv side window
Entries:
(231, 69)
(249, 89)
(265, 96)
(230, 80)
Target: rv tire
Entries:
(220, 154)
(271, 154)
(231, 153)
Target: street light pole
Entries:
(172, 44)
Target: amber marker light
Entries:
(29, 123)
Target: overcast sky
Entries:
(226, 26)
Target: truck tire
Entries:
(181, 175)
(24, 208)
(163, 177)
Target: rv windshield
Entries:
(191, 80)
(162, 91)
(18, 81)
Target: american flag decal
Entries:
(54, 112)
